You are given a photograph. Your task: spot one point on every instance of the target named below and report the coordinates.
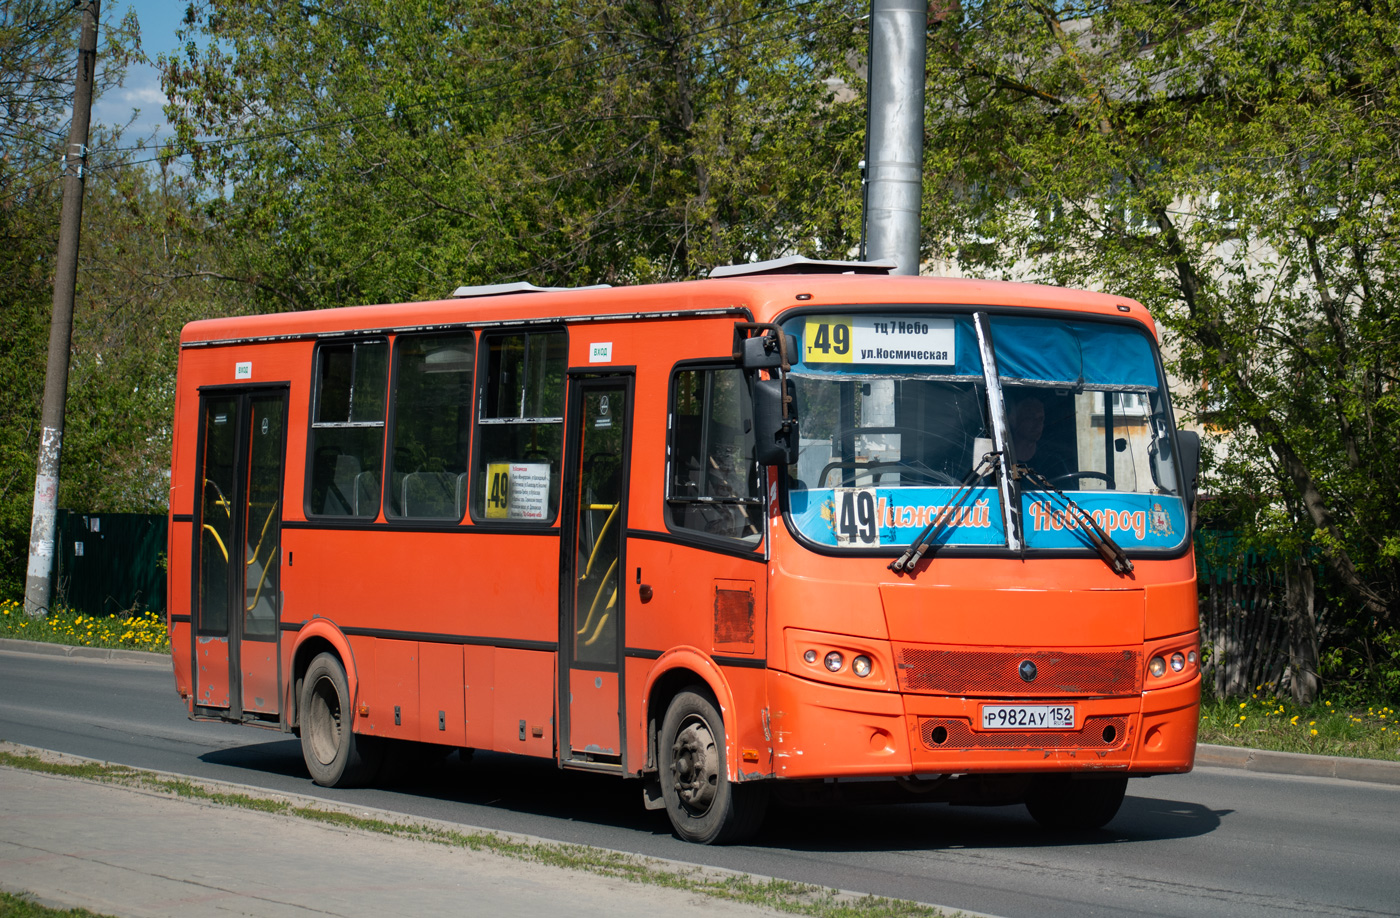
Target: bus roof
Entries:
(762, 296)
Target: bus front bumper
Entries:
(825, 731)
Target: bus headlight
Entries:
(1157, 666)
(810, 656)
(861, 666)
(834, 661)
(1178, 662)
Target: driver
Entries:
(1027, 426)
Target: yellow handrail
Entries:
(612, 601)
(588, 622)
(257, 591)
(593, 555)
(215, 533)
(222, 501)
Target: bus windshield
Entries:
(897, 411)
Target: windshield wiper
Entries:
(923, 541)
(1111, 552)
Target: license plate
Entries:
(1028, 717)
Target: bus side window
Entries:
(347, 429)
(520, 427)
(432, 426)
(714, 486)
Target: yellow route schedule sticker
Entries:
(497, 490)
(904, 340)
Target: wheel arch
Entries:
(316, 637)
(675, 671)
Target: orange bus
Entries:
(801, 527)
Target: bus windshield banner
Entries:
(873, 517)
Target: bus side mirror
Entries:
(775, 435)
(1188, 448)
(763, 352)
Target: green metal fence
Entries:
(106, 563)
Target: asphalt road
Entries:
(1215, 842)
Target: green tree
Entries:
(1235, 168)
(38, 51)
(409, 146)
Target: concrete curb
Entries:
(43, 648)
(1376, 771)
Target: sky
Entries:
(159, 19)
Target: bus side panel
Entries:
(179, 535)
(749, 750)
(699, 599)
(524, 709)
(454, 583)
(177, 603)
(180, 655)
(479, 680)
(440, 695)
(392, 694)
(715, 603)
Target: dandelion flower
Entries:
(1314, 733)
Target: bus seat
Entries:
(429, 494)
(340, 490)
(364, 493)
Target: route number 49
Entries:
(857, 524)
(828, 339)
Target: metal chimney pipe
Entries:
(895, 132)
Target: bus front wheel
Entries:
(704, 805)
(1056, 802)
(335, 755)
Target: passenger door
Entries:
(592, 581)
(237, 552)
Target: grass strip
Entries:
(12, 906)
(131, 630)
(781, 895)
(1321, 728)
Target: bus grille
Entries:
(945, 733)
(997, 672)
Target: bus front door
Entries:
(592, 581)
(237, 553)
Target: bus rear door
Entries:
(237, 552)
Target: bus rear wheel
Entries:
(1056, 802)
(704, 805)
(334, 754)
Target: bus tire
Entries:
(334, 754)
(1058, 803)
(705, 807)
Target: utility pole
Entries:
(38, 586)
(894, 155)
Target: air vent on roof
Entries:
(517, 287)
(796, 264)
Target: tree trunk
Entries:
(1299, 592)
